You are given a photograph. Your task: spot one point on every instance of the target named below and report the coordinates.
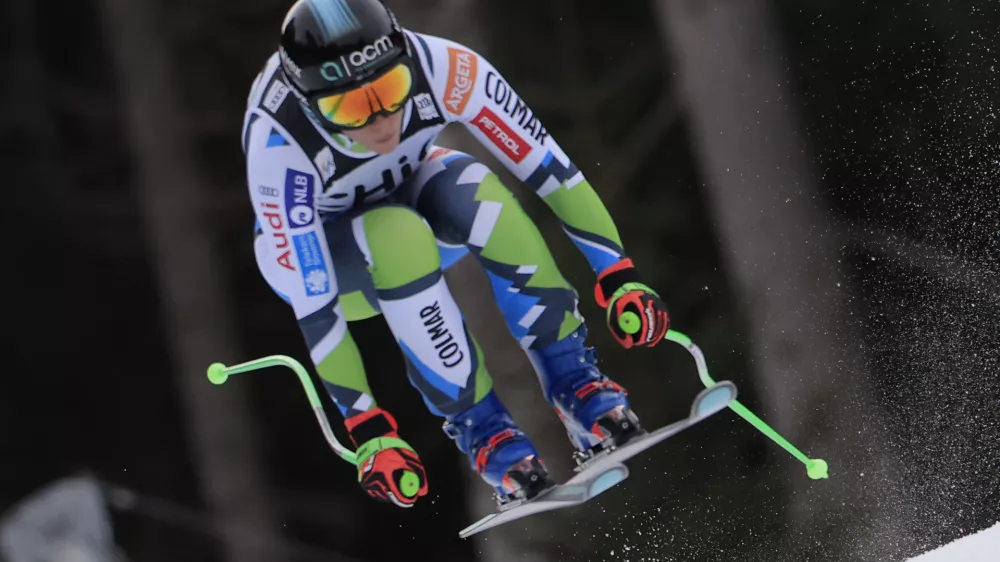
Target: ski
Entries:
(605, 470)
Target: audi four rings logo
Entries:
(334, 71)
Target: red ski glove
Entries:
(637, 317)
(388, 468)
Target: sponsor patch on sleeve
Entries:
(425, 107)
(502, 136)
(300, 188)
(310, 254)
(275, 96)
(462, 68)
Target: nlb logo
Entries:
(334, 71)
(300, 190)
(461, 79)
(502, 136)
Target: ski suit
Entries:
(344, 234)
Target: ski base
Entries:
(606, 470)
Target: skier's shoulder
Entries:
(450, 67)
(264, 93)
(272, 104)
(268, 86)
(436, 47)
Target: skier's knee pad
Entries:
(398, 245)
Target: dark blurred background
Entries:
(811, 184)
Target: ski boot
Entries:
(593, 408)
(499, 452)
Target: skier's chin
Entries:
(385, 146)
(381, 136)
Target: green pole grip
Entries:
(816, 468)
(629, 322)
(218, 374)
(409, 483)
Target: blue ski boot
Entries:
(594, 409)
(498, 451)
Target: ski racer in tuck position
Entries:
(359, 213)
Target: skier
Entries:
(359, 213)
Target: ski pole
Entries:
(409, 482)
(815, 468)
(219, 374)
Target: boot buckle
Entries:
(451, 430)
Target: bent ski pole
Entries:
(219, 373)
(815, 468)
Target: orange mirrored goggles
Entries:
(355, 108)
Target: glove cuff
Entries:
(374, 446)
(370, 425)
(614, 278)
(372, 432)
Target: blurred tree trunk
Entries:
(33, 122)
(512, 373)
(779, 245)
(196, 307)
